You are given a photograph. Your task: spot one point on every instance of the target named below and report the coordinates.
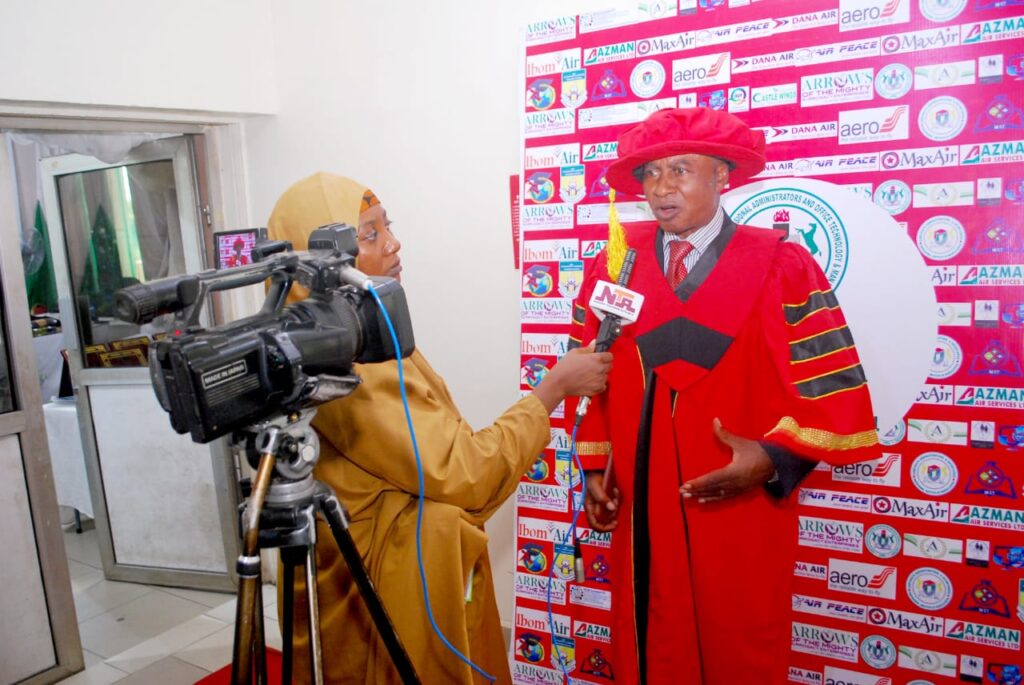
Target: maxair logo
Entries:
(993, 153)
(980, 634)
(869, 580)
(597, 152)
(862, 14)
(610, 53)
(910, 508)
(920, 158)
(991, 31)
(988, 517)
(874, 125)
(706, 70)
(905, 620)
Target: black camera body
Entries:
(217, 380)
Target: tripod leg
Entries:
(287, 611)
(337, 519)
(316, 663)
(259, 638)
(249, 575)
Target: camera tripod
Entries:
(281, 513)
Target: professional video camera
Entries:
(217, 380)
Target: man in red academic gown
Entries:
(739, 375)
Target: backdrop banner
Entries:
(895, 133)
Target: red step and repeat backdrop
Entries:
(911, 568)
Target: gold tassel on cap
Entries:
(616, 238)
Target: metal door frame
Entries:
(193, 247)
(27, 423)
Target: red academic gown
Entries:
(753, 337)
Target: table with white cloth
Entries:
(66, 456)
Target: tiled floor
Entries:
(134, 634)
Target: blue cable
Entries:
(573, 458)
(419, 509)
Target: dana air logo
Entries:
(599, 152)
(705, 70)
(862, 14)
(874, 125)
(1010, 28)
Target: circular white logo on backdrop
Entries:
(942, 118)
(892, 435)
(883, 541)
(878, 274)
(878, 651)
(934, 473)
(946, 357)
(894, 81)
(929, 588)
(941, 237)
(647, 78)
(942, 10)
(893, 196)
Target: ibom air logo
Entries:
(893, 196)
(942, 10)
(807, 219)
(894, 81)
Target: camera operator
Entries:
(367, 457)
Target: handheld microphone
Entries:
(616, 306)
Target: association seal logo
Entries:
(878, 651)
(894, 81)
(929, 588)
(942, 10)
(893, 196)
(647, 79)
(942, 118)
(808, 221)
(934, 473)
(883, 541)
(947, 357)
(941, 237)
(892, 435)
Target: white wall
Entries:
(419, 101)
(183, 55)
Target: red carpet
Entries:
(223, 676)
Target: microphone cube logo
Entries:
(609, 298)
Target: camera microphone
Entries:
(616, 306)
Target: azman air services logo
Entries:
(808, 221)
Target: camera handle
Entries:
(281, 513)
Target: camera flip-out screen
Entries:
(234, 248)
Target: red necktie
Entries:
(677, 251)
